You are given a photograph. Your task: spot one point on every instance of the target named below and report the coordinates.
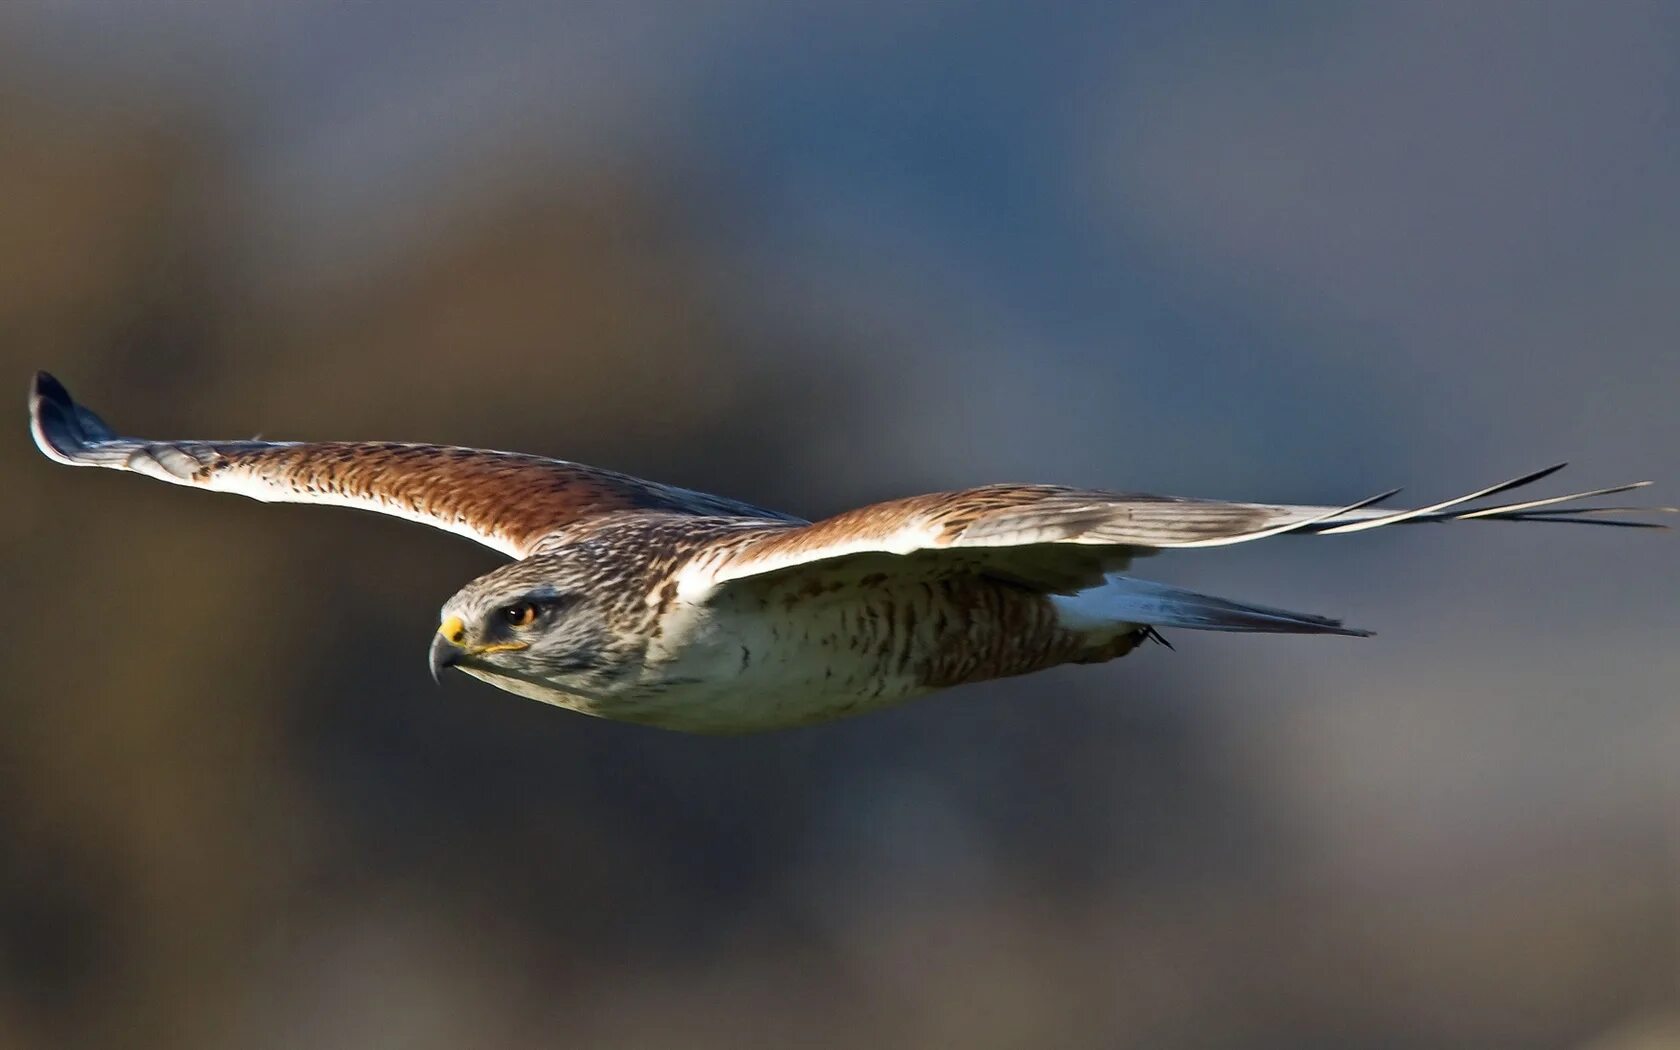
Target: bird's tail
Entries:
(1128, 600)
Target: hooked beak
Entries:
(449, 646)
(445, 654)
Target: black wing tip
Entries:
(52, 417)
(49, 400)
(64, 430)
(47, 388)
(1551, 508)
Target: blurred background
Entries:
(812, 256)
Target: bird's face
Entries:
(539, 622)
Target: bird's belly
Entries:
(747, 681)
(752, 707)
(727, 673)
(783, 661)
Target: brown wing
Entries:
(1063, 539)
(506, 500)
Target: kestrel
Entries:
(647, 603)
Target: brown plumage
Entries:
(656, 604)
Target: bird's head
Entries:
(543, 622)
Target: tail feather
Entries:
(1128, 600)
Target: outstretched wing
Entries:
(1063, 539)
(506, 500)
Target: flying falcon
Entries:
(647, 603)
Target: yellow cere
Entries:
(452, 629)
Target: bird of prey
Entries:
(647, 603)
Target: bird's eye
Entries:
(520, 614)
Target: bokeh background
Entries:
(815, 255)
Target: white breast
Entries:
(749, 662)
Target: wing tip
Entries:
(47, 387)
(64, 431)
(1550, 508)
(52, 419)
